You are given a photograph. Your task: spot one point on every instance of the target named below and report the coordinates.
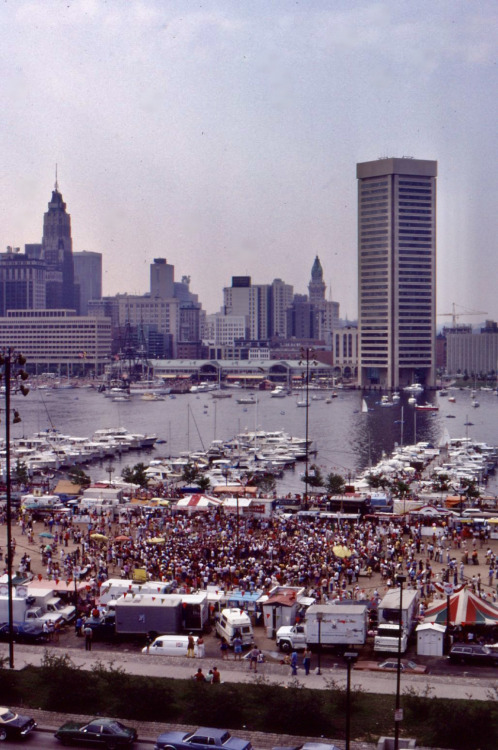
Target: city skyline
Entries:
(225, 138)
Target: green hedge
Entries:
(289, 708)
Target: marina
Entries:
(348, 430)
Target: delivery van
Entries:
(169, 645)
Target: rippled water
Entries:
(347, 439)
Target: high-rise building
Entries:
(397, 271)
(88, 277)
(57, 252)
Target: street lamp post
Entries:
(319, 618)
(8, 359)
(398, 714)
(306, 353)
(350, 657)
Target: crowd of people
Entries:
(332, 559)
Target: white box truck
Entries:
(339, 625)
(50, 603)
(391, 618)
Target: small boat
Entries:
(303, 403)
(385, 401)
(450, 416)
(246, 400)
(426, 407)
(278, 392)
(451, 399)
(414, 388)
(412, 400)
(221, 394)
(475, 403)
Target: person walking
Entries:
(294, 663)
(190, 646)
(88, 633)
(224, 649)
(253, 658)
(307, 661)
(237, 648)
(201, 647)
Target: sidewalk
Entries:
(442, 686)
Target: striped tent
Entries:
(465, 609)
(198, 502)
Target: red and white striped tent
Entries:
(465, 609)
(198, 502)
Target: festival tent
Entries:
(465, 609)
(198, 502)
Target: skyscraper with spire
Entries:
(57, 252)
(317, 286)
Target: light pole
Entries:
(306, 353)
(319, 618)
(9, 358)
(350, 657)
(398, 713)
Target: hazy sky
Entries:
(224, 135)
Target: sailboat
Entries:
(364, 407)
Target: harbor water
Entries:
(347, 438)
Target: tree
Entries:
(136, 475)
(334, 484)
(314, 477)
(190, 473)
(20, 474)
(203, 483)
(78, 476)
(264, 482)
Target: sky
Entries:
(223, 135)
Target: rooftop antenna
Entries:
(56, 181)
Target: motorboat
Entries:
(414, 388)
(426, 407)
(278, 392)
(251, 399)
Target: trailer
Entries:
(144, 613)
(337, 625)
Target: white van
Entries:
(169, 645)
(233, 621)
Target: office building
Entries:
(58, 340)
(396, 271)
(57, 252)
(88, 278)
(22, 282)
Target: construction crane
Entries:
(454, 315)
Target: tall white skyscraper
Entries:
(397, 271)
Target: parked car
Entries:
(391, 665)
(100, 732)
(204, 737)
(25, 633)
(14, 726)
(465, 653)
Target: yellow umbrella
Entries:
(98, 537)
(341, 551)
